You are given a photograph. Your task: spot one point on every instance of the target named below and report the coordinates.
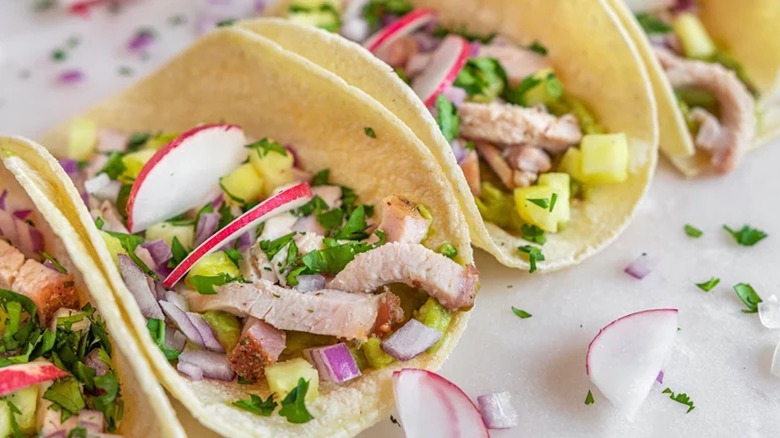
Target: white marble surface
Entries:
(721, 357)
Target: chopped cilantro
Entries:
(589, 398)
(124, 70)
(114, 166)
(484, 79)
(66, 395)
(205, 284)
(447, 118)
(61, 269)
(370, 131)
(746, 236)
(748, 296)
(321, 178)
(178, 251)
(294, 405)
(137, 140)
(442, 32)
(652, 25)
(534, 255)
(78, 432)
(272, 247)
(355, 228)
(709, 284)
(17, 432)
(227, 22)
(541, 202)
(257, 405)
(265, 146)
(521, 313)
(130, 242)
(157, 330)
(532, 233)
(537, 47)
(332, 260)
(553, 200)
(681, 398)
(375, 10)
(401, 73)
(234, 256)
(447, 250)
(58, 55)
(692, 231)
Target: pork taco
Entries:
(280, 242)
(69, 366)
(545, 127)
(715, 67)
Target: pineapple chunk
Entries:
(5, 419)
(242, 185)
(114, 246)
(274, 167)
(167, 231)
(535, 214)
(282, 377)
(82, 139)
(25, 400)
(134, 162)
(212, 265)
(693, 35)
(571, 163)
(604, 158)
(560, 183)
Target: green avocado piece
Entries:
(375, 356)
(436, 316)
(226, 326)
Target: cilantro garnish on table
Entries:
(747, 235)
(749, 296)
(681, 398)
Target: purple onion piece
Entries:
(244, 241)
(174, 339)
(159, 250)
(458, 150)
(190, 370)
(57, 434)
(475, 46)
(639, 268)
(217, 202)
(497, 410)
(214, 365)
(207, 226)
(140, 41)
(137, 284)
(163, 270)
(660, 378)
(334, 362)
(93, 361)
(23, 214)
(177, 299)
(210, 341)
(72, 76)
(259, 6)
(183, 322)
(70, 166)
(456, 95)
(145, 256)
(410, 340)
(310, 283)
(3, 197)
(91, 420)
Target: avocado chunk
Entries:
(436, 316)
(226, 327)
(693, 36)
(375, 356)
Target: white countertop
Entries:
(721, 357)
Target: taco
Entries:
(295, 249)
(69, 366)
(549, 138)
(715, 67)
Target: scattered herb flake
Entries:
(58, 55)
(553, 200)
(541, 202)
(394, 421)
(589, 398)
(748, 296)
(370, 131)
(57, 265)
(746, 236)
(447, 250)
(532, 233)
(653, 25)
(534, 255)
(257, 405)
(521, 313)
(709, 284)
(692, 231)
(205, 284)
(157, 330)
(124, 70)
(681, 398)
(447, 118)
(177, 20)
(227, 22)
(537, 47)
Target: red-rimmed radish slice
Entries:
(286, 200)
(184, 173)
(380, 42)
(16, 377)
(431, 406)
(625, 356)
(442, 70)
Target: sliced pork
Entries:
(402, 220)
(505, 124)
(453, 285)
(11, 260)
(325, 312)
(470, 167)
(259, 346)
(512, 178)
(518, 63)
(255, 265)
(47, 288)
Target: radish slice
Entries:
(442, 70)
(16, 377)
(430, 405)
(379, 43)
(286, 200)
(625, 356)
(184, 173)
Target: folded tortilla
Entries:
(242, 78)
(593, 57)
(748, 31)
(147, 411)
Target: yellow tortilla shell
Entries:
(147, 411)
(249, 80)
(593, 57)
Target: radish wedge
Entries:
(286, 200)
(379, 43)
(625, 356)
(443, 68)
(431, 406)
(184, 173)
(16, 377)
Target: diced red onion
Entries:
(410, 340)
(260, 6)
(426, 42)
(210, 341)
(456, 95)
(158, 290)
(70, 77)
(206, 227)
(458, 150)
(217, 202)
(190, 370)
(214, 365)
(70, 166)
(91, 420)
(174, 339)
(146, 257)
(183, 322)
(93, 361)
(310, 283)
(111, 140)
(294, 153)
(475, 45)
(497, 410)
(23, 214)
(639, 268)
(3, 197)
(57, 434)
(159, 250)
(21, 234)
(660, 378)
(102, 188)
(388, 19)
(163, 270)
(177, 299)
(244, 241)
(334, 362)
(355, 29)
(137, 284)
(140, 41)
(49, 264)
(684, 6)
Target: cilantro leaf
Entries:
(130, 242)
(114, 166)
(294, 406)
(272, 247)
(532, 233)
(521, 313)
(483, 78)
(748, 296)
(321, 178)
(66, 394)
(370, 131)
(534, 255)
(537, 47)
(709, 284)
(589, 398)
(447, 250)
(332, 260)
(137, 140)
(265, 146)
(178, 251)
(442, 32)
(77, 432)
(681, 398)
(746, 236)
(157, 330)
(692, 231)
(257, 405)
(355, 228)
(553, 200)
(652, 25)
(447, 118)
(17, 432)
(517, 95)
(205, 284)
(61, 269)
(541, 202)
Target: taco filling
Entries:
(57, 375)
(527, 148)
(271, 272)
(713, 91)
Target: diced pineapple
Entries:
(25, 400)
(114, 246)
(561, 185)
(167, 231)
(213, 265)
(282, 377)
(571, 163)
(243, 185)
(134, 162)
(533, 213)
(693, 35)
(82, 139)
(604, 158)
(274, 167)
(5, 419)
